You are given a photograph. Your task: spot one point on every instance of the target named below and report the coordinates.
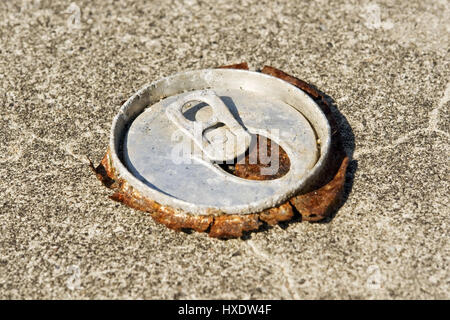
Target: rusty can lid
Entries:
(172, 139)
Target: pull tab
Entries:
(229, 140)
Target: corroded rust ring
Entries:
(314, 204)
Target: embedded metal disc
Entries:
(149, 149)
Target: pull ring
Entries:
(230, 140)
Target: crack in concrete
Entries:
(432, 127)
(434, 114)
(288, 288)
(65, 147)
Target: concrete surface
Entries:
(62, 79)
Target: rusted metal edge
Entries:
(312, 206)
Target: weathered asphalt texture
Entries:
(385, 64)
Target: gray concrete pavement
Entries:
(64, 74)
